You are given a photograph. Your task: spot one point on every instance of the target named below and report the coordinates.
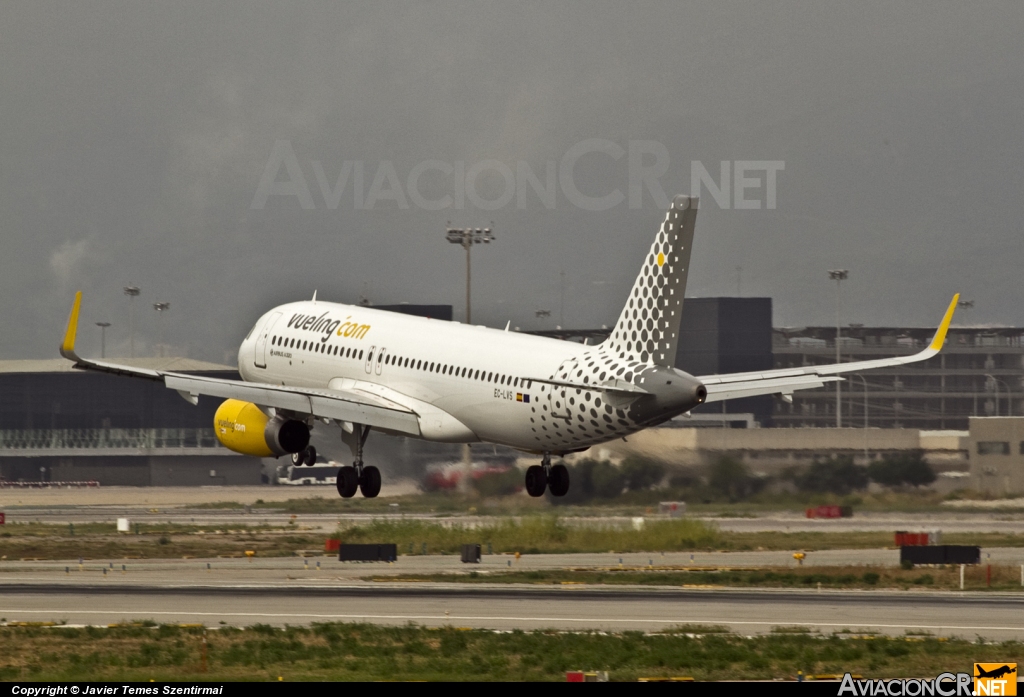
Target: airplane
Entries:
(994, 673)
(322, 365)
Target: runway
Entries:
(994, 617)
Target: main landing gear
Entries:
(554, 478)
(365, 478)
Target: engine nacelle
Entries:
(244, 428)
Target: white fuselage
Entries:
(480, 381)
(421, 358)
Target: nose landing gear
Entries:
(554, 478)
(306, 456)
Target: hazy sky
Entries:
(134, 137)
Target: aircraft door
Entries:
(558, 406)
(380, 360)
(368, 367)
(259, 358)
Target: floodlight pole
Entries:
(995, 383)
(865, 383)
(838, 275)
(160, 309)
(103, 338)
(132, 292)
(467, 237)
(965, 305)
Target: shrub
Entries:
(591, 479)
(495, 483)
(606, 480)
(730, 478)
(902, 468)
(641, 473)
(836, 475)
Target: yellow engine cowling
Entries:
(244, 428)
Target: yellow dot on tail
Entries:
(661, 259)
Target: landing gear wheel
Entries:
(348, 482)
(298, 459)
(536, 480)
(310, 456)
(558, 480)
(369, 481)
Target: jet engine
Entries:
(244, 428)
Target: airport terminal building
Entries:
(63, 425)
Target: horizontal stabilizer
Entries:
(617, 387)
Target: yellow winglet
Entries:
(940, 334)
(67, 347)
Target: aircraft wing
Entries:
(344, 405)
(787, 380)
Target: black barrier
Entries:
(470, 554)
(349, 552)
(940, 554)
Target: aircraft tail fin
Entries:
(648, 328)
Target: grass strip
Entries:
(550, 534)
(1004, 578)
(143, 651)
(537, 534)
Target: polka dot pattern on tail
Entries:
(646, 335)
(648, 328)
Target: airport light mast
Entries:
(467, 237)
(838, 275)
(161, 308)
(965, 305)
(132, 292)
(103, 338)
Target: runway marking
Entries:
(515, 619)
